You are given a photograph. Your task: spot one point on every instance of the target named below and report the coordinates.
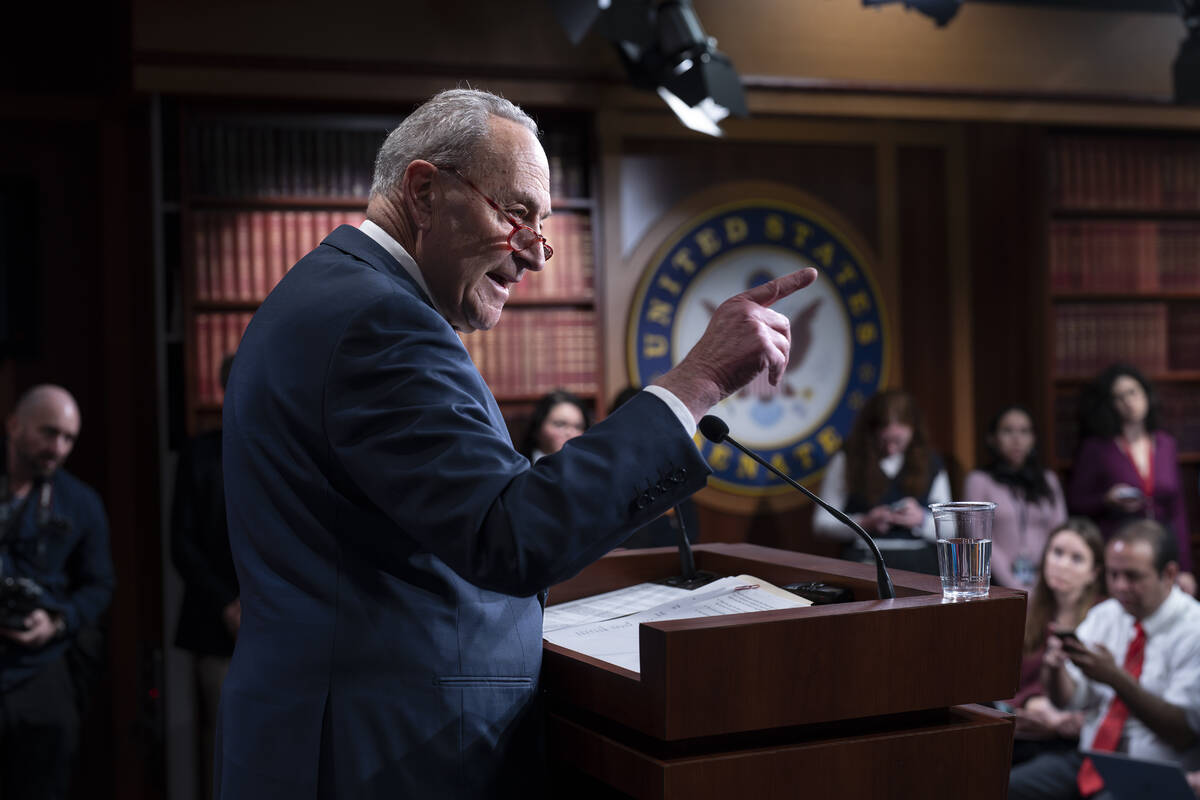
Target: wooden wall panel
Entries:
(925, 295)
(1008, 263)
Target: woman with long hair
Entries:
(884, 478)
(1029, 501)
(1070, 581)
(1127, 466)
(558, 417)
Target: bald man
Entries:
(58, 579)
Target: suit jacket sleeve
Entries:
(416, 431)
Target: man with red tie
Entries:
(1133, 666)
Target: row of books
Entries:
(215, 336)
(264, 160)
(1179, 404)
(1125, 172)
(241, 255)
(533, 351)
(1104, 256)
(529, 353)
(251, 158)
(569, 274)
(1089, 337)
(568, 163)
(1183, 337)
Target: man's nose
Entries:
(531, 258)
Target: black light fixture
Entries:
(665, 50)
(942, 11)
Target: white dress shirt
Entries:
(1170, 670)
(835, 492)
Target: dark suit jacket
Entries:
(390, 543)
(200, 548)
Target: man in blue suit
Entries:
(391, 545)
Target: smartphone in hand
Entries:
(1069, 637)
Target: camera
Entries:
(19, 597)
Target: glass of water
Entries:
(964, 548)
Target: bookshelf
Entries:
(1124, 274)
(258, 190)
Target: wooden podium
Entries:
(867, 699)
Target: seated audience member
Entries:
(1127, 466)
(1070, 581)
(662, 531)
(1029, 501)
(1132, 666)
(558, 417)
(884, 478)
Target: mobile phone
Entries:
(899, 505)
(1127, 493)
(1068, 636)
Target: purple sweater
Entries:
(1100, 465)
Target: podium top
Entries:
(746, 672)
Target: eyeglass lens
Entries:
(524, 238)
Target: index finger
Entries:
(781, 287)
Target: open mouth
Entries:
(501, 280)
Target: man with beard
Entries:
(57, 580)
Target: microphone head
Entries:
(714, 428)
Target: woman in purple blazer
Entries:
(1127, 467)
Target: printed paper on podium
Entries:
(615, 640)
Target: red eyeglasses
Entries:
(522, 237)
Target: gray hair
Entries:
(445, 130)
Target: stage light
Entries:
(665, 50)
(942, 11)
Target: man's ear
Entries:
(418, 193)
(1170, 571)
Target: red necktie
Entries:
(1109, 733)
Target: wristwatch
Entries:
(60, 625)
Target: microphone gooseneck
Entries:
(716, 431)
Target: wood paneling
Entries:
(1008, 266)
(925, 290)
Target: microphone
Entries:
(689, 577)
(716, 431)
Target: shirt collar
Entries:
(397, 251)
(1164, 617)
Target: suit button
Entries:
(680, 475)
(661, 489)
(648, 497)
(640, 502)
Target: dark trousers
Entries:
(1049, 776)
(39, 735)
